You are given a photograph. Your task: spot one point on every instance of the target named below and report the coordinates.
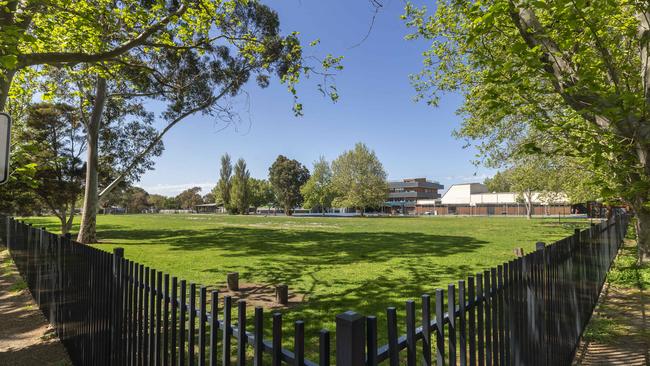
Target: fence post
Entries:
(116, 328)
(350, 339)
(539, 246)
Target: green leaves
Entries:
(544, 78)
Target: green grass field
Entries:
(361, 264)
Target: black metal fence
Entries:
(109, 310)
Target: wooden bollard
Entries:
(519, 252)
(233, 281)
(282, 294)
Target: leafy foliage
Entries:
(222, 190)
(189, 198)
(359, 179)
(53, 135)
(318, 192)
(559, 78)
(240, 190)
(286, 177)
(261, 193)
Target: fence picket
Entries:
(191, 326)
(174, 314)
(324, 347)
(258, 358)
(471, 318)
(241, 333)
(480, 319)
(391, 321)
(158, 324)
(227, 330)
(277, 339)
(145, 323)
(202, 322)
(440, 328)
(410, 333)
(181, 323)
(165, 325)
(462, 335)
(426, 330)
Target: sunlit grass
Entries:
(361, 264)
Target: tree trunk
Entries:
(5, 84)
(68, 224)
(528, 202)
(642, 232)
(87, 229)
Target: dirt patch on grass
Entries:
(260, 295)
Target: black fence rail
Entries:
(109, 310)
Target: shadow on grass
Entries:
(311, 247)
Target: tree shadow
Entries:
(311, 247)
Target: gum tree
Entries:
(562, 78)
(192, 55)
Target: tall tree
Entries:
(558, 77)
(189, 198)
(499, 182)
(157, 201)
(261, 193)
(229, 43)
(286, 177)
(240, 191)
(56, 141)
(318, 192)
(359, 179)
(222, 190)
(528, 179)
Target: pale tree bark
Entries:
(642, 231)
(87, 230)
(528, 201)
(66, 221)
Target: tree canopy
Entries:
(359, 179)
(560, 78)
(286, 177)
(318, 191)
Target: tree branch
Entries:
(562, 72)
(210, 101)
(77, 57)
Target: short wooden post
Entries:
(233, 281)
(350, 339)
(519, 252)
(540, 245)
(282, 294)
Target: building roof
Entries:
(413, 184)
(478, 194)
(207, 205)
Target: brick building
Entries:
(403, 195)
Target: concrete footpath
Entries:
(26, 339)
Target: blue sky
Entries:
(376, 107)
